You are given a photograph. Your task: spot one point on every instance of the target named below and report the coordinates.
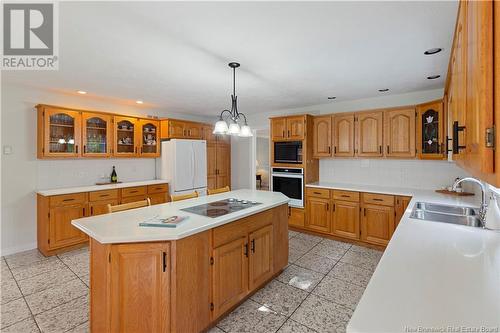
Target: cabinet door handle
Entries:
(83, 211)
(289, 211)
(91, 210)
(377, 199)
(335, 150)
(387, 149)
(327, 206)
(456, 144)
(84, 149)
(66, 200)
(135, 191)
(103, 195)
(345, 196)
(380, 149)
(283, 133)
(246, 250)
(364, 211)
(76, 149)
(164, 261)
(329, 150)
(288, 133)
(317, 192)
(253, 245)
(334, 207)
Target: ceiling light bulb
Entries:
(81, 92)
(220, 127)
(245, 131)
(234, 129)
(139, 102)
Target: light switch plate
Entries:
(7, 150)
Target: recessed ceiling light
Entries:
(383, 90)
(81, 92)
(139, 102)
(332, 97)
(433, 77)
(433, 51)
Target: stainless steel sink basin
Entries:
(447, 214)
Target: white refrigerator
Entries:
(183, 163)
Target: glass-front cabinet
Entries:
(431, 141)
(96, 134)
(149, 138)
(125, 143)
(62, 132)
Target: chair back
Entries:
(179, 197)
(130, 205)
(219, 190)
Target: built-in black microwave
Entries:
(288, 152)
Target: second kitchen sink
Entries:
(447, 214)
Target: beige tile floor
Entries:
(317, 292)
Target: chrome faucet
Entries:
(484, 204)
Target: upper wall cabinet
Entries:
(59, 132)
(148, 140)
(343, 135)
(369, 127)
(399, 132)
(126, 133)
(288, 128)
(181, 129)
(97, 132)
(322, 136)
(430, 131)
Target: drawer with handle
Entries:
(318, 192)
(378, 199)
(133, 191)
(346, 195)
(68, 199)
(103, 195)
(159, 188)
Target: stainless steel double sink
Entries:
(468, 216)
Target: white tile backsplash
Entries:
(400, 173)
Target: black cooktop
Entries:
(221, 207)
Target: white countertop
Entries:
(92, 188)
(432, 275)
(123, 227)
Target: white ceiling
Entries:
(174, 55)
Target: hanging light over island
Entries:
(230, 124)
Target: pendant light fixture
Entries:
(230, 124)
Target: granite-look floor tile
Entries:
(292, 234)
(24, 326)
(367, 251)
(215, 330)
(310, 238)
(64, 317)
(78, 262)
(316, 263)
(302, 245)
(362, 260)
(294, 255)
(336, 244)
(5, 271)
(27, 271)
(13, 312)
(86, 280)
(252, 317)
(45, 280)
(280, 297)
(9, 290)
(24, 258)
(83, 328)
(350, 273)
(52, 297)
(340, 292)
(291, 326)
(329, 251)
(299, 277)
(322, 315)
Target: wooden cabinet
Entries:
(140, 289)
(369, 126)
(125, 136)
(402, 203)
(322, 136)
(296, 217)
(345, 219)
(288, 128)
(343, 134)
(208, 135)
(318, 214)
(431, 138)
(399, 132)
(175, 129)
(260, 256)
(377, 220)
(149, 138)
(61, 232)
(218, 164)
(97, 134)
(194, 130)
(59, 132)
(181, 129)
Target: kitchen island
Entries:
(183, 279)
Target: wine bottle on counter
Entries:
(114, 177)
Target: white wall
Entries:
(242, 162)
(22, 174)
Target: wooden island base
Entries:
(185, 285)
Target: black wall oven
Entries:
(290, 182)
(288, 152)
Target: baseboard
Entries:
(15, 249)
